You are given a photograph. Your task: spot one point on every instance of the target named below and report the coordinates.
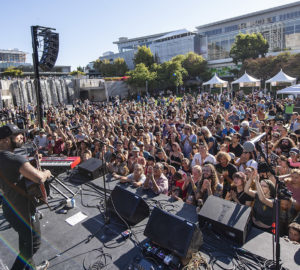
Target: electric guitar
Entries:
(38, 193)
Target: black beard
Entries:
(15, 145)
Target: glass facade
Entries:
(167, 49)
(12, 57)
(281, 29)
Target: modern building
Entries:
(279, 25)
(12, 58)
(164, 46)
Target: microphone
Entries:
(258, 138)
(249, 146)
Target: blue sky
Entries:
(88, 28)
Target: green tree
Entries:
(267, 67)
(108, 69)
(143, 55)
(248, 46)
(140, 75)
(12, 72)
(76, 73)
(79, 68)
(194, 64)
(171, 73)
(120, 67)
(179, 58)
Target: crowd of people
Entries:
(187, 148)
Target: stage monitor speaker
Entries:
(173, 233)
(90, 168)
(131, 207)
(226, 218)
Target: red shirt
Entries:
(58, 146)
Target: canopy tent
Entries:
(217, 82)
(247, 80)
(292, 90)
(281, 77)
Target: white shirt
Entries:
(209, 159)
(249, 163)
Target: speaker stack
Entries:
(50, 50)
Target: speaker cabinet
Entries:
(227, 218)
(131, 207)
(50, 50)
(90, 168)
(173, 233)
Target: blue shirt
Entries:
(226, 132)
(226, 105)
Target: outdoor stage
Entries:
(69, 247)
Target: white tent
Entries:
(247, 80)
(281, 77)
(292, 90)
(215, 80)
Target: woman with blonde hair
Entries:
(137, 178)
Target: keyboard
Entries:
(66, 162)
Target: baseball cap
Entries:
(9, 129)
(295, 150)
(135, 149)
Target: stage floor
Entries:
(69, 247)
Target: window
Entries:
(231, 28)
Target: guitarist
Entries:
(18, 208)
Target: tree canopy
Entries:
(108, 69)
(248, 46)
(12, 72)
(194, 64)
(76, 73)
(79, 68)
(143, 55)
(265, 68)
(140, 75)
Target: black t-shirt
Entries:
(238, 150)
(231, 170)
(242, 196)
(262, 212)
(10, 165)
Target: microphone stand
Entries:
(278, 190)
(106, 217)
